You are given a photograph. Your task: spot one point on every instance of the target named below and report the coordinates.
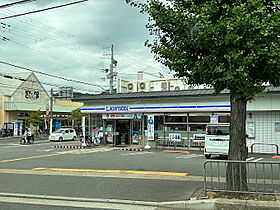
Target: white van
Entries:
(216, 140)
(63, 134)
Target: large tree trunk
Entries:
(236, 173)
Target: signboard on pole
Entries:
(47, 113)
(150, 126)
(57, 125)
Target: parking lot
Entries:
(102, 172)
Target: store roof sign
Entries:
(116, 108)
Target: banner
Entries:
(277, 126)
(121, 116)
(250, 129)
(214, 119)
(150, 127)
(175, 137)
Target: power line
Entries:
(9, 76)
(49, 75)
(28, 48)
(47, 28)
(41, 10)
(37, 51)
(139, 65)
(16, 3)
(132, 60)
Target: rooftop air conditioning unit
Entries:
(177, 88)
(164, 86)
(130, 87)
(142, 86)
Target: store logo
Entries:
(116, 108)
(32, 95)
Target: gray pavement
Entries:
(62, 172)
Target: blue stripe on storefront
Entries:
(160, 108)
(179, 107)
(94, 109)
(213, 106)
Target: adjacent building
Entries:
(21, 94)
(159, 84)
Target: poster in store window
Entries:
(214, 119)
(150, 127)
(175, 137)
(250, 130)
(277, 126)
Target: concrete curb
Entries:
(132, 149)
(96, 200)
(231, 204)
(176, 151)
(69, 147)
(228, 204)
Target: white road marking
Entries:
(137, 153)
(97, 150)
(257, 159)
(44, 150)
(252, 159)
(7, 147)
(188, 156)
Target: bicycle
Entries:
(88, 141)
(97, 140)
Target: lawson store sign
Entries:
(147, 108)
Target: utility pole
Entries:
(51, 111)
(111, 75)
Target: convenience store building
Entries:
(123, 117)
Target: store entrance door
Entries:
(123, 129)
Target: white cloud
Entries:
(72, 40)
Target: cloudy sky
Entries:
(74, 41)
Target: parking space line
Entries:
(48, 155)
(257, 160)
(188, 156)
(113, 171)
(137, 153)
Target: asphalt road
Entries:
(100, 172)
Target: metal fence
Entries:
(262, 177)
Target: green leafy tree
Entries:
(76, 116)
(229, 44)
(35, 119)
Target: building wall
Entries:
(163, 84)
(2, 113)
(11, 116)
(20, 94)
(67, 103)
(264, 113)
(156, 102)
(265, 131)
(269, 102)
